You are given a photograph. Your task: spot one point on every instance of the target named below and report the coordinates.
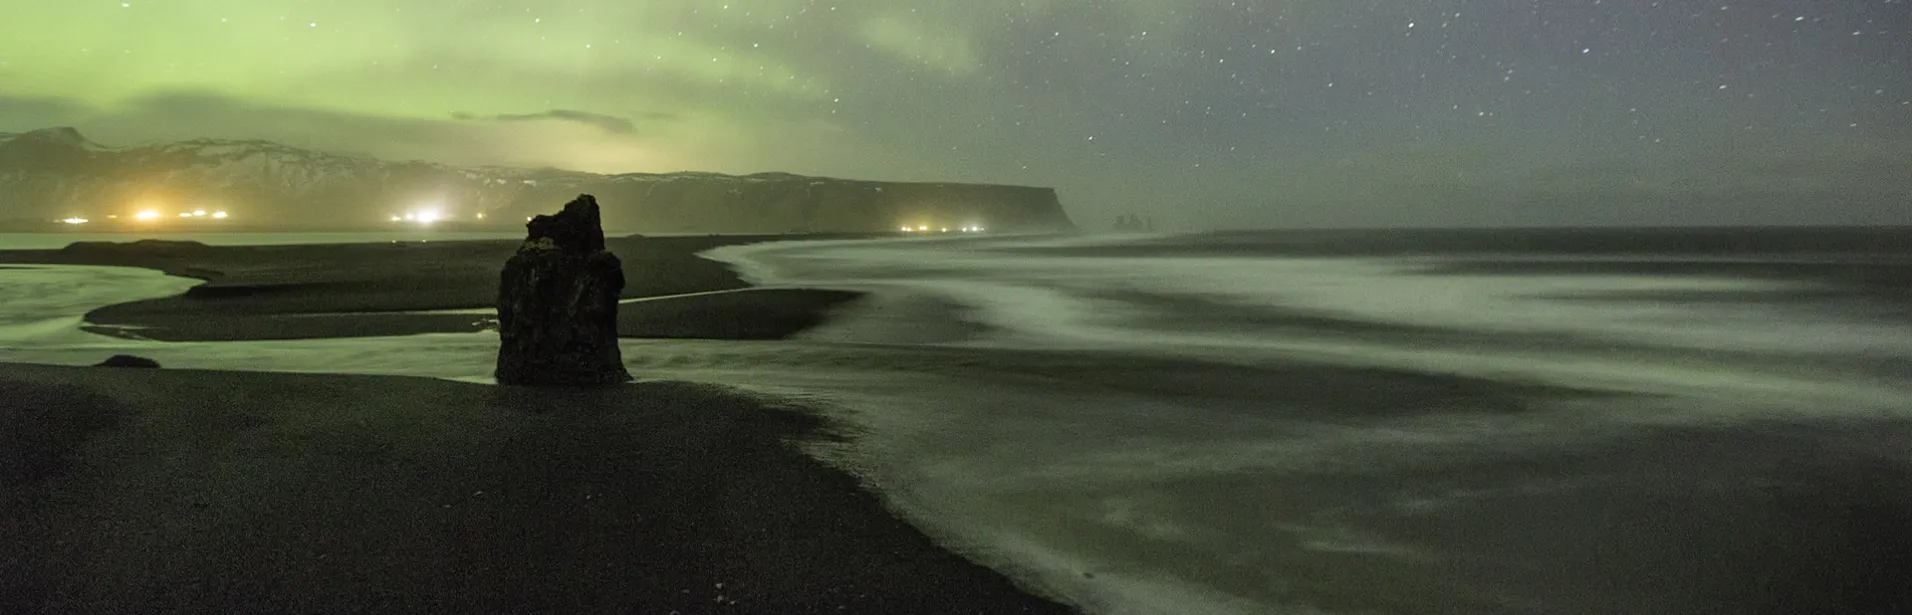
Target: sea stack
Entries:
(557, 303)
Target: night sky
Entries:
(1202, 113)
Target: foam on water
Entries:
(1044, 296)
(45, 305)
(1048, 302)
(1702, 365)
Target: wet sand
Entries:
(357, 290)
(195, 491)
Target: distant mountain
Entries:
(56, 173)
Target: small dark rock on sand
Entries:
(144, 248)
(127, 360)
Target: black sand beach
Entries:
(239, 492)
(358, 290)
(229, 492)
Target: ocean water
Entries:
(1311, 422)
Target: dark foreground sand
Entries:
(228, 492)
(355, 290)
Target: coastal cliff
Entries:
(56, 173)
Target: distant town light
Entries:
(428, 217)
(396, 218)
(481, 215)
(147, 215)
(199, 213)
(923, 227)
(185, 214)
(907, 229)
(74, 220)
(219, 214)
(945, 229)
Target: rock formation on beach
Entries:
(557, 303)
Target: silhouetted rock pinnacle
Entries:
(576, 229)
(557, 303)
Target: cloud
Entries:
(608, 123)
(23, 113)
(196, 114)
(681, 142)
